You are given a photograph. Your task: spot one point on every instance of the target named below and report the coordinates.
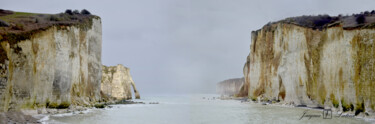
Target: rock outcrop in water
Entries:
(117, 83)
(315, 61)
(49, 60)
(230, 87)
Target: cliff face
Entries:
(57, 66)
(230, 86)
(333, 67)
(117, 83)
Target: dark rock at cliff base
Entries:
(301, 106)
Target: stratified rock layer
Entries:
(117, 83)
(333, 67)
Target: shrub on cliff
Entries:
(54, 18)
(360, 19)
(316, 22)
(366, 13)
(85, 12)
(75, 12)
(69, 11)
(73, 18)
(321, 21)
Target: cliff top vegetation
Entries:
(363, 20)
(21, 22)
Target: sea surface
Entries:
(199, 109)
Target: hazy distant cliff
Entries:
(318, 61)
(117, 82)
(49, 60)
(230, 86)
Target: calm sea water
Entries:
(193, 109)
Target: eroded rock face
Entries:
(56, 67)
(230, 87)
(117, 83)
(332, 67)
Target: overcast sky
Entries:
(184, 46)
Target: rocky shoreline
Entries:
(41, 115)
(17, 117)
(335, 112)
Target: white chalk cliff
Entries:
(230, 87)
(332, 67)
(117, 82)
(55, 67)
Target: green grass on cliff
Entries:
(8, 18)
(362, 20)
(20, 22)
